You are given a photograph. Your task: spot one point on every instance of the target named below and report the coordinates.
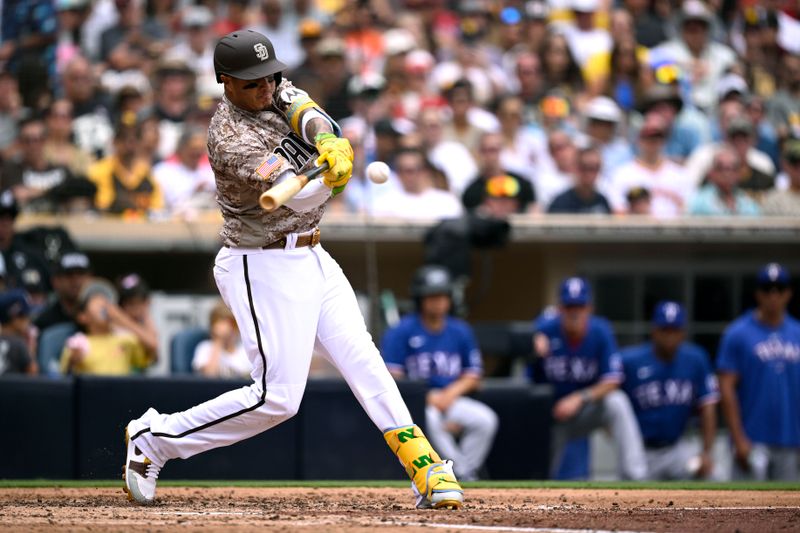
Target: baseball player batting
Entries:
(288, 295)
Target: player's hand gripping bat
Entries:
(283, 191)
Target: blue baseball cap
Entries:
(772, 274)
(14, 304)
(575, 291)
(669, 315)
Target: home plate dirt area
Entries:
(391, 510)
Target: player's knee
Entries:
(489, 421)
(617, 401)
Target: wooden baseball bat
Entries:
(281, 193)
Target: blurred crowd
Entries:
(659, 107)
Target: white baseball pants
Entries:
(478, 423)
(615, 413)
(286, 302)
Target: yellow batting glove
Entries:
(339, 155)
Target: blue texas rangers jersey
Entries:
(438, 358)
(767, 361)
(571, 367)
(664, 394)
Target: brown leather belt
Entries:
(303, 240)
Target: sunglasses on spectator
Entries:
(729, 168)
(794, 161)
(770, 287)
(654, 135)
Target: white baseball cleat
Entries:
(139, 472)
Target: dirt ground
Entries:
(390, 510)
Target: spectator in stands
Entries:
(627, 77)
(666, 180)
(783, 108)
(559, 68)
(125, 183)
(529, 82)
(195, 48)
(577, 353)
(695, 53)
(70, 274)
(536, 14)
(524, 149)
(124, 68)
(786, 202)
(432, 346)
(29, 31)
(11, 112)
(583, 37)
(97, 349)
(490, 146)
(722, 195)
(332, 69)
(307, 74)
(583, 197)
(18, 257)
(759, 378)
(129, 28)
(688, 128)
(739, 133)
(173, 88)
(186, 179)
(91, 124)
(451, 157)
(418, 199)
(15, 357)
(603, 119)
(15, 320)
(134, 302)
(467, 121)
(222, 355)
(472, 57)
(31, 176)
(649, 28)
(667, 380)
(59, 148)
(560, 174)
(279, 20)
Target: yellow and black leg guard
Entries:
(432, 479)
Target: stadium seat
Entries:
(51, 344)
(182, 348)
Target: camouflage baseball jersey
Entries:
(248, 151)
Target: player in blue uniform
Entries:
(666, 380)
(432, 346)
(759, 378)
(579, 357)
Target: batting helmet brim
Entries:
(259, 71)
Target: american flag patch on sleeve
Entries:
(267, 167)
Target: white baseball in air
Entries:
(378, 172)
